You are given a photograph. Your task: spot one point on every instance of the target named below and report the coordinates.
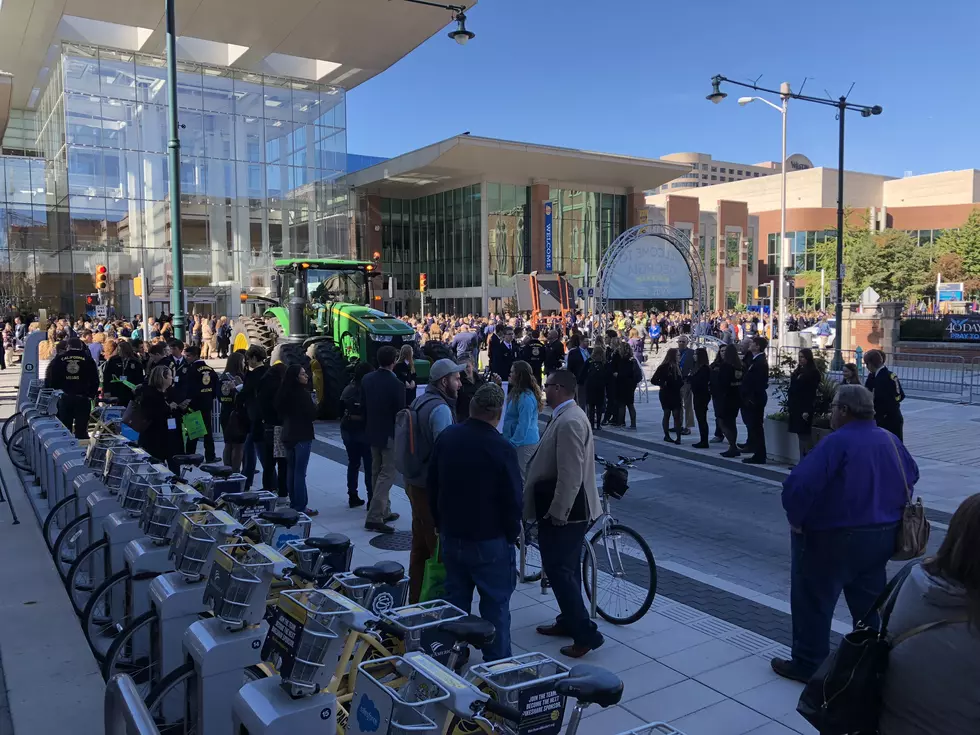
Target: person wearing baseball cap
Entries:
(436, 410)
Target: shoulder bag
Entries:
(913, 534)
(134, 417)
(844, 696)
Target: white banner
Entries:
(649, 268)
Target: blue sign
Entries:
(548, 238)
(581, 293)
(591, 292)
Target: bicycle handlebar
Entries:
(502, 710)
(623, 461)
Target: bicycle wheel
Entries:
(134, 652)
(106, 613)
(58, 517)
(172, 703)
(532, 554)
(69, 544)
(86, 572)
(9, 426)
(626, 574)
(17, 449)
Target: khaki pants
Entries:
(524, 456)
(383, 466)
(423, 539)
(687, 398)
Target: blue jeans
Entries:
(489, 566)
(561, 560)
(824, 564)
(358, 454)
(297, 460)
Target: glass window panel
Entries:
(151, 80)
(190, 90)
(122, 174)
(191, 133)
(83, 119)
(86, 172)
(86, 226)
(117, 71)
(219, 135)
(81, 72)
(153, 131)
(276, 98)
(156, 176)
(305, 103)
(218, 93)
(119, 125)
(193, 176)
(508, 197)
(248, 94)
(220, 180)
(493, 197)
(248, 139)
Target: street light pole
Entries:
(173, 154)
(784, 93)
(838, 362)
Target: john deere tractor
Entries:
(318, 319)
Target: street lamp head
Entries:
(876, 110)
(743, 101)
(716, 95)
(461, 35)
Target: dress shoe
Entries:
(731, 453)
(552, 630)
(717, 439)
(685, 432)
(754, 460)
(379, 527)
(577, 651)
(788, 670)
(744, 447)
(353, 501)
(392, 517)
(700, 445)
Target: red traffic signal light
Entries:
(423, 282)
(101, 277)
(90, 300)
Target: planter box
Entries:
(782, 446)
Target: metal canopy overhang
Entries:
(466, 158)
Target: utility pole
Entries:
(173, 153)
(838, 361)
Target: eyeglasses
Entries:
(551, 385)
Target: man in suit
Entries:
(754, 394)
(887, 391)
(383, 396)
(685, 356)
(560, 493)
(576, 366)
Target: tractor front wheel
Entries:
(290, 353)
(330, 376)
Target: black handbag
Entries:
(844, 696)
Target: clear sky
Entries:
(630, 77)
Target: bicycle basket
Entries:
(506, 678)
(239, 582)
(197, 534)
(137, 480)
(401, 685)
(117, 460)
(615, 481)
(159, 512)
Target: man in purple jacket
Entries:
(844, 502)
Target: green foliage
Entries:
(965, 243)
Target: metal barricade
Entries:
(125, 713)
(973, 376)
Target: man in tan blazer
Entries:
(560, 493)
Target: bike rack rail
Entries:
(125, 713)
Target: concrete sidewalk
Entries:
(701, 674)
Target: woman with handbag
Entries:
(298, 412)
(930, 687)
(668, 378)
(156, 419)
(233, 417)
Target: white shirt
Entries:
(561, 407)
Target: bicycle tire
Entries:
(532, 557)
(78, 567)
(7, 425)
(93, 627)
(79, 524)
(49, 528)
(183, 675)
(18, 458)
(118, 658)
(651, 589)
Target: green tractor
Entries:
(318, 319)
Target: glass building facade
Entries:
(262, 163)
(585, 225)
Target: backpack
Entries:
(413, 442)
(637, 371)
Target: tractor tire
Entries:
(438, 351)
(252, 331)
(290, 353)
(330, 377)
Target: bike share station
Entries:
(214, 611)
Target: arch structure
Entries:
(651, 261)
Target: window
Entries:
(756, 173)
(714, 168)
(704, 176)
(731, 250)
(714, 178)
(740, 172)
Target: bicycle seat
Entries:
(216, 469)
(330, 543)
(192, 459)
(591, 685)
(242, 500)
(287, 518)
(473, 630)
(384, 572)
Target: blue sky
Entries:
(630, 77)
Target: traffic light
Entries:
(137, 286)
(101, 277)
(90, 300)
(423, 282)
(762, 291)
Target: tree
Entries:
(964, 242)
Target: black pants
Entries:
(73, 412)
(753, 416)
(561, 554)
(701, 414)
(596, 410)
(209, 453)
(729, 428)
(624, 406)
(612, 407)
